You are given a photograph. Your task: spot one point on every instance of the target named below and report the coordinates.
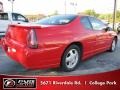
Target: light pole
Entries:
(114, 14)
(12, 2)
(65, 3)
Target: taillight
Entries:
(32, 39)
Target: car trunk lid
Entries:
(19, 33)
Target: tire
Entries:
(71, 58)
(113, 45)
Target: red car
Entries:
(58, 41)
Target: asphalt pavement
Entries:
(104, 62)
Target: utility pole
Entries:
(12, 2)
(114, 14)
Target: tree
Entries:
(54, 13)
(118, 16)
(91, 13)
(108, 17)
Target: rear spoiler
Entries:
(26, 25)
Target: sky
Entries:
(48, 7)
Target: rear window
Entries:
(57, 20)
(3, 16)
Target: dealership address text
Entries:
(95, 83)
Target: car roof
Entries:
(77, 15)
(65, 15)
(10, 12)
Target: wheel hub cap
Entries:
(72, 58)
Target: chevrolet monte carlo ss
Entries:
(58, 41)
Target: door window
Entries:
(97, 24)
(3, 16)
(18, 17)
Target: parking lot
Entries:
(103, 62)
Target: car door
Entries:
(101, 34)
(89, 38)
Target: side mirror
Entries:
(108, 29)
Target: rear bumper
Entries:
(14, 51)
(29, 58)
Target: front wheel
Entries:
(70, 58)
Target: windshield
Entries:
(3, 16)
(57, 20)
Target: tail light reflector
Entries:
(32, 39)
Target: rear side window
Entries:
(57, 20)
(86, 23)
(3, 16)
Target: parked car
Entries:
(58, 41)
(7, 18)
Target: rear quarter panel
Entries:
(54, 41)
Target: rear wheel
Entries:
(70, 58)
(113, 45)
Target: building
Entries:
(1, 7)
